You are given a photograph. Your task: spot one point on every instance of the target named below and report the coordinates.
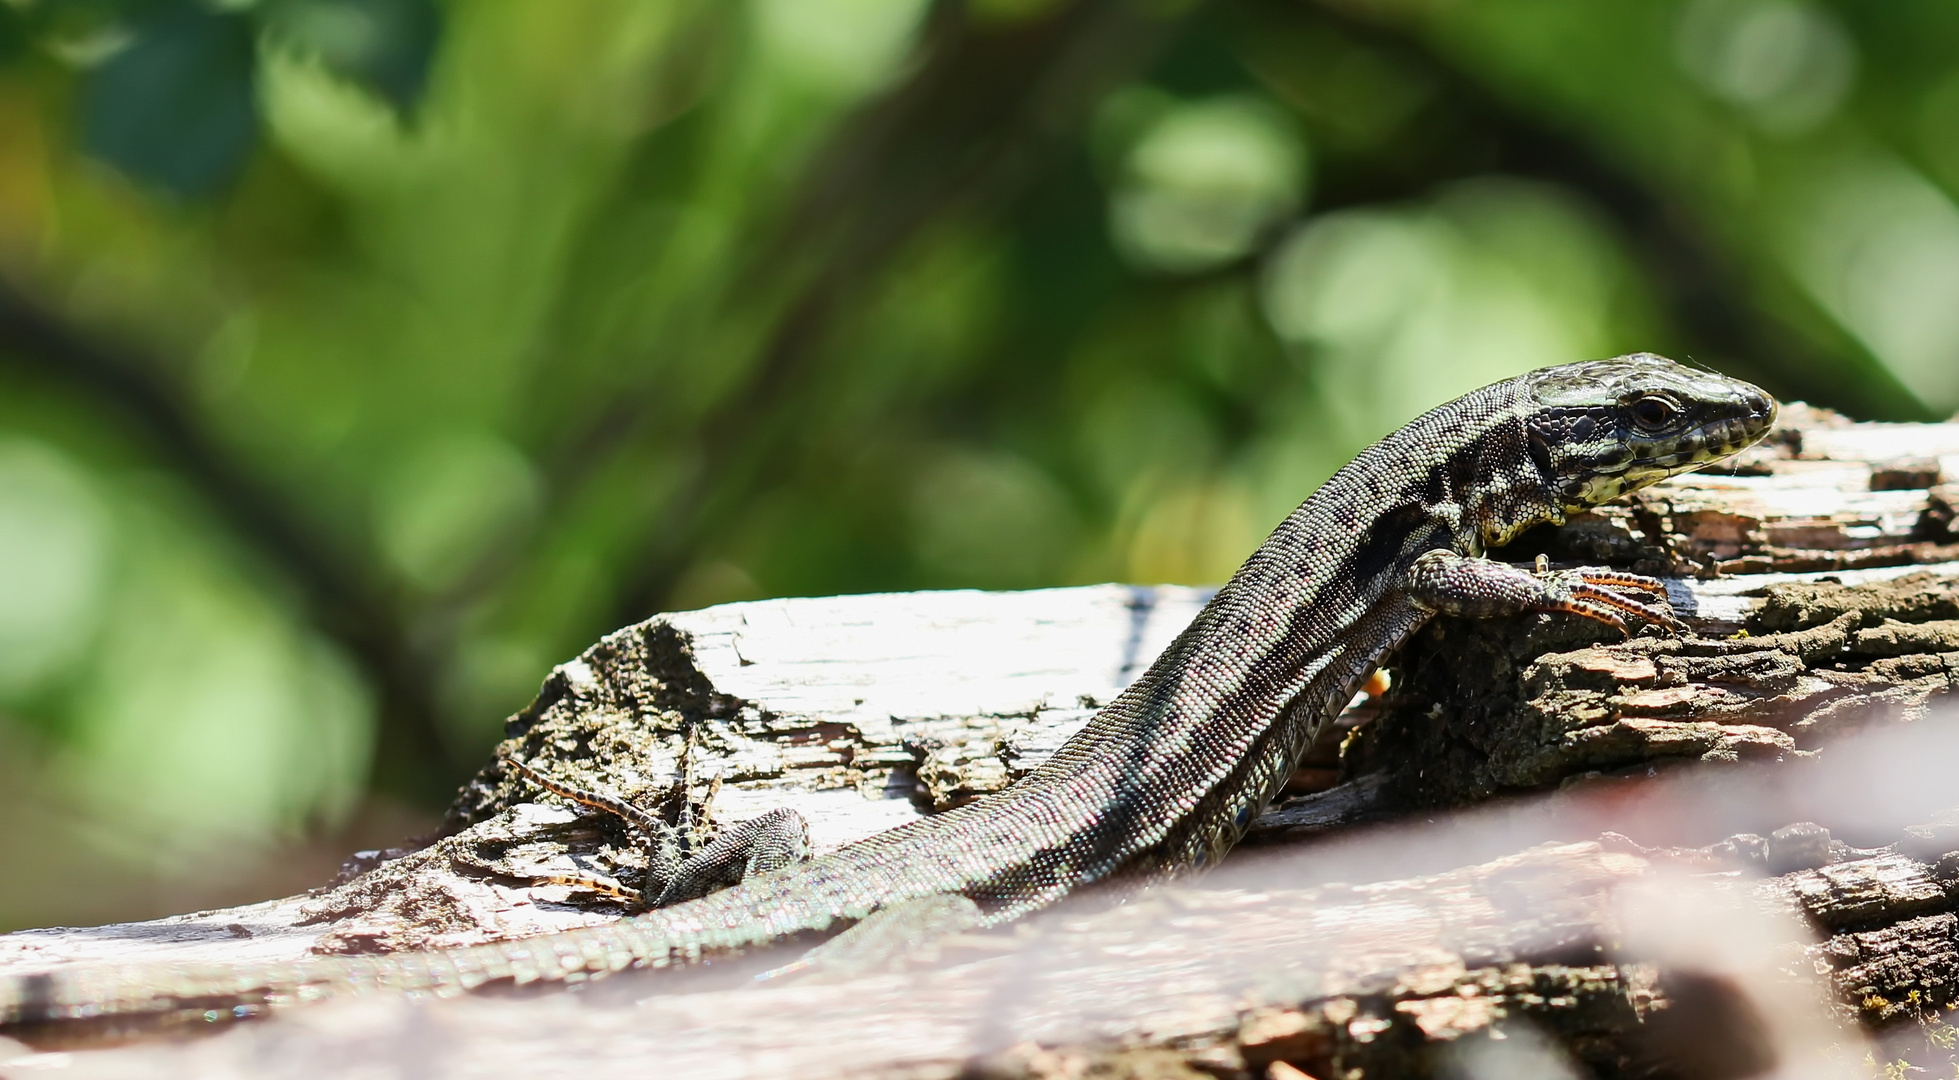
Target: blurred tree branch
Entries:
(974, 118)
(1470, 128)
(985, 107)
(409, 757)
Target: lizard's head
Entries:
(1606, 427)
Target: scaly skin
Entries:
(1166, 778)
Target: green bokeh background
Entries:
(361, 359)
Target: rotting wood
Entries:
(1834, 609)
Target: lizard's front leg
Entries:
(1450, 584)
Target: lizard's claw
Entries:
(1590, 593)
(1446, 582)
(1620, 580)
(594, 884)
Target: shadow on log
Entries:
(1661, 857)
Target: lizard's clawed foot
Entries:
(1599, 594)
(1448, 583)
(631, 898)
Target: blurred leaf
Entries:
(175, 108)
(54, 563)
(448, 501)
(78, 32)
(385, 45)
(1789, 65)
(13, 34)
(1204, 182)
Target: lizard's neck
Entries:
(1170, 774)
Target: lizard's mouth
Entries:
(1653, 459)
(1708, 442)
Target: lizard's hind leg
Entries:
(743, 850)
(674, 875)
(663, 842)
(888, 938)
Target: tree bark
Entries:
(1821, 581)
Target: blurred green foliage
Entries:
(361, 359)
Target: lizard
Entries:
(1166, 778)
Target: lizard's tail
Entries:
(813, 898)
(93, 1002)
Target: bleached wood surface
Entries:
(1015, 666)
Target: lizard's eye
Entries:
(1653, 412)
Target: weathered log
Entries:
(1821, 579)
(1392, 976)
